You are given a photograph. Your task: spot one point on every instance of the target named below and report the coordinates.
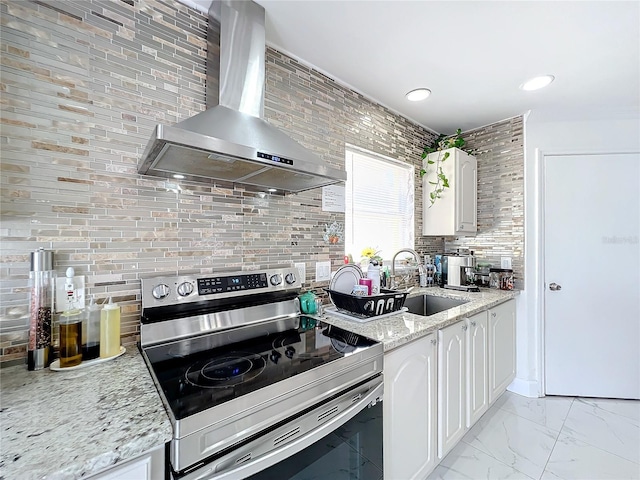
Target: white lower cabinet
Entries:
(452, 384)
(502, 348)
(410, 410)
(477, 367)
(149, 466)
(434, 391)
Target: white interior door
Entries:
(592, 254)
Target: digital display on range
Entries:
(274, 158)
(207, 286)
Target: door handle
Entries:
(555, 287)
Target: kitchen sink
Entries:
(426, 305)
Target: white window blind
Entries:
(379, 204)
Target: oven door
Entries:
(338, 436)
(353, 451)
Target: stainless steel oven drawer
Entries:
(287, 439)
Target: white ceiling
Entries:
(473, 55)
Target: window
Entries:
(379, 199)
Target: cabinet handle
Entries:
(493, 314)
(464, 328)
(461, 227)
(473, 323)
(433, 341)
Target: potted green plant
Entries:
(440, 144)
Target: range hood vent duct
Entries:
(230, 141)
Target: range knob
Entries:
(275, 356)
(160, 291)
(290, 278)
(185, 289)
(289, 352)
(276, 279)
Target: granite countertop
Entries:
(396, 330)
(68, 425)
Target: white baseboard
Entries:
(526, 388)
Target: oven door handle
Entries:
(252, 467)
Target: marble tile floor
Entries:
(549, 438)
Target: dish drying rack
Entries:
(387, 302)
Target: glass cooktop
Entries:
(195, 381)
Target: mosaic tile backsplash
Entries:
(83, 84)
(500, 153)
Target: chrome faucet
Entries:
(394, 284)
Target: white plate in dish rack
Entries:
(345, 278)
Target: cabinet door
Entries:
(149, 466)
(466, 193)
(477, 367)
(451, 386)
(439, 218)
(502, 348)
(409, 410)
(140, 469)
(455, 212)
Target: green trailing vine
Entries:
(442, 142)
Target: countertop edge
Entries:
(397, 330)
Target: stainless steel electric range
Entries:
(247, 380)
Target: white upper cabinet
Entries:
(456, 211)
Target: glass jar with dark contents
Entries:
(501, 278)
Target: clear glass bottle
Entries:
(423, 275)
(91, 332)
(110, 330)
(494, 278)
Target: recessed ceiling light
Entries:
(272, 190)
(178, 176)
(537, 83)
(418, 94)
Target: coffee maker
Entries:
(457, 272)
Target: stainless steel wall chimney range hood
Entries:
(230, 141)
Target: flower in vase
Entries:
(369, 254)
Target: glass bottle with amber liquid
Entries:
(70, 326)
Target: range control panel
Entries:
(233, 283)
(180, 289)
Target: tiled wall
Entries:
(83, 83)
(500, 155)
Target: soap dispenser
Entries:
(110, 330)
